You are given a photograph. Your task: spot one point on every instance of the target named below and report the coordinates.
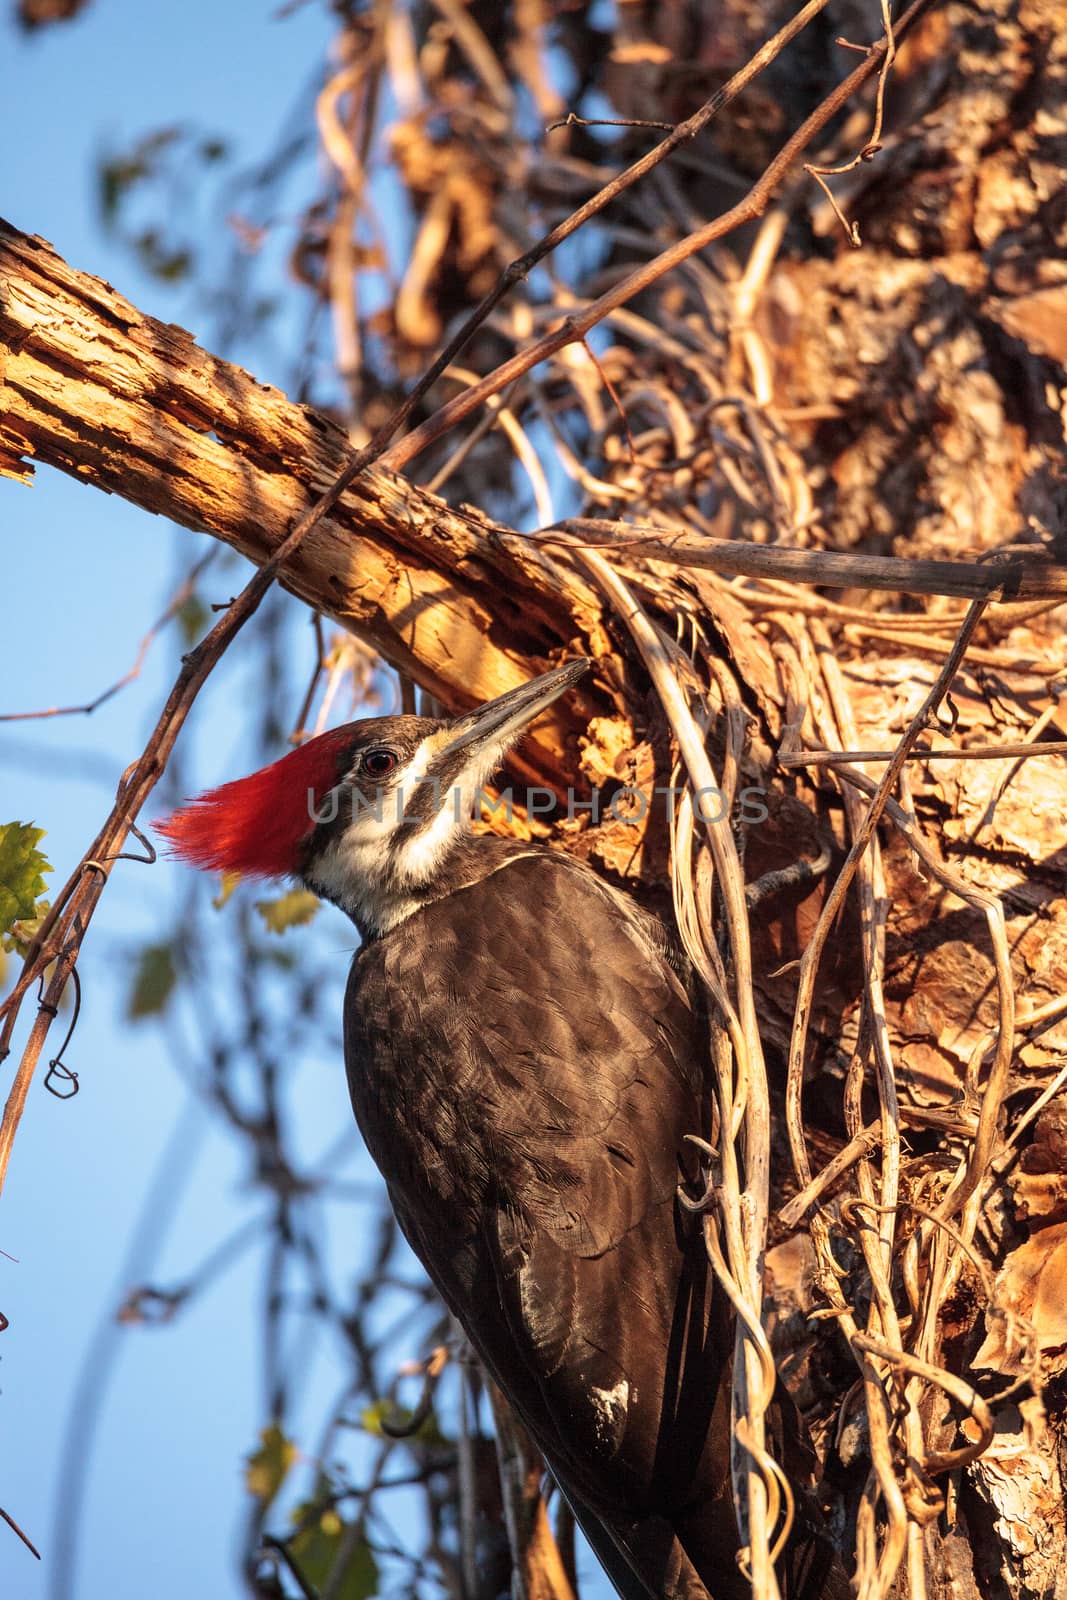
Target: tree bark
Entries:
(116, 399)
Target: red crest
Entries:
(255, 825)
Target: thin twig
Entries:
(870, 148)
(27, 1541)
(957, 1388)
(969, 580)
(835, 899)
(178, 599)
(576, 326)
(861, 1144)
(1024, 750)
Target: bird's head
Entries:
(366, 815)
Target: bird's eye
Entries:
(378, 763)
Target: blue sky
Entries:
(83, 575)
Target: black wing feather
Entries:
(524, 1064)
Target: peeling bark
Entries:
(116, 399)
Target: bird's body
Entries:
(525, 1060)
(545, 1060)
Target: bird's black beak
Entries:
(499, 723)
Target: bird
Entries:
(526, 1056)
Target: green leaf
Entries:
(153, 981)
(267, 1468)
(428, 1432)
(113, 179)
(22, 870)
(292, 910)
(168, 263)
(119, 173)
(316, 1550)
(25, 930)
(193, 617)
(281, 960)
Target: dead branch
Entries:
(1006, 578)
(133, 406)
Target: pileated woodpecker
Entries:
(525, 1060)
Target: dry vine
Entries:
(756, 677)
